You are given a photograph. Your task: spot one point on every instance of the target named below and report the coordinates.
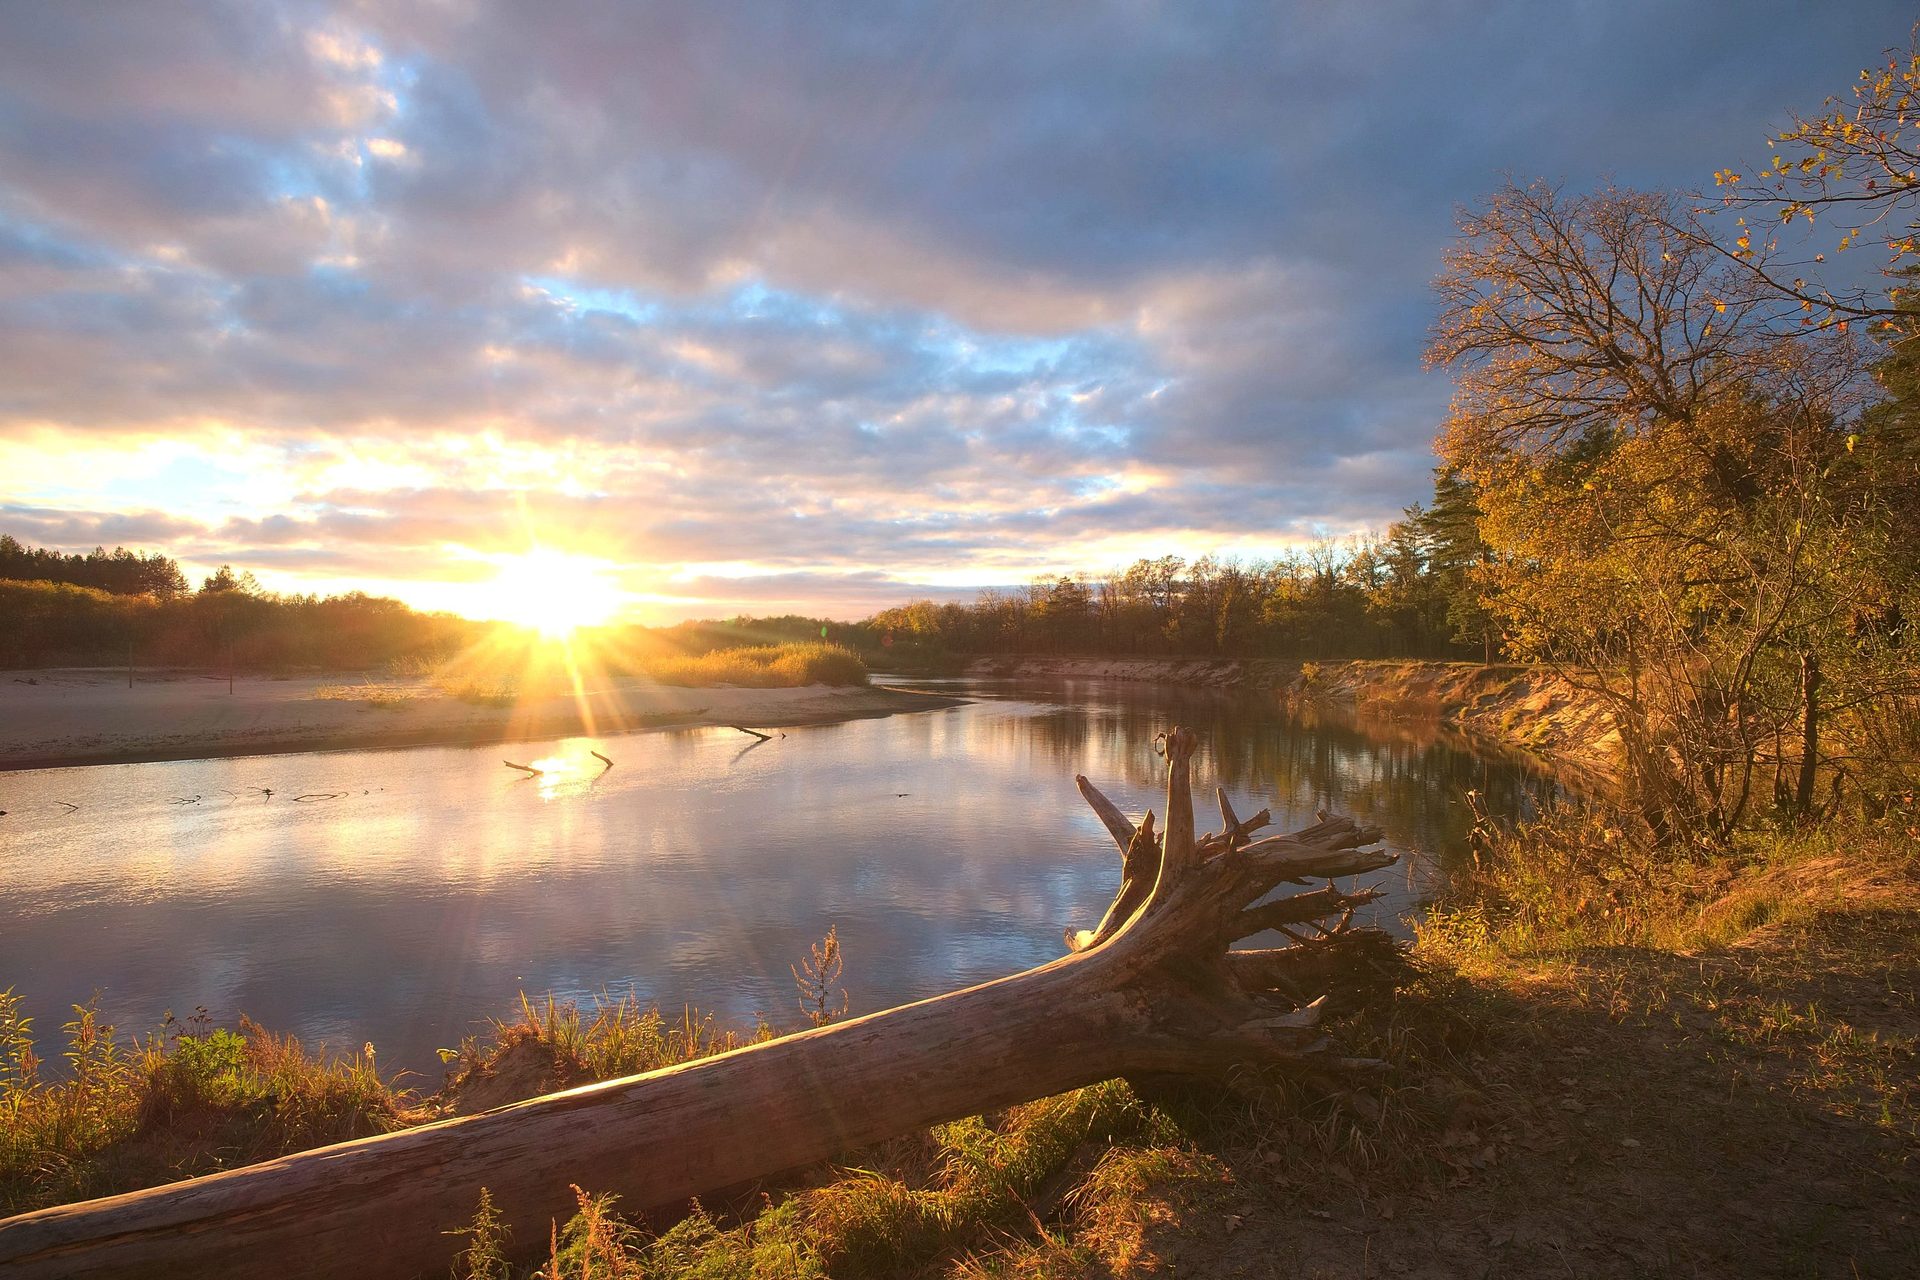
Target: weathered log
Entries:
(1153, 992)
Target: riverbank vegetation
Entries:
(116, 1112)
(762, 666)
(119, 1113)
(228, 624)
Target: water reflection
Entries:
(400, 896)
(1408, 778)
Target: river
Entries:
(400, 897)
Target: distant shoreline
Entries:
(66, 718)
(1511, 706)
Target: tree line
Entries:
(1405, 592)
(120, 572)
(230, 622)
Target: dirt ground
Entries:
(1620, 1113)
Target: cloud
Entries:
(87, 529)
(855, 299)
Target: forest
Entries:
(134, 609)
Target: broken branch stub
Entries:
(1154, 990)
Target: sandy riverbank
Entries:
(70, 717)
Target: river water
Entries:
(403, 896)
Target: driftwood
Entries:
(755, 732)
(1153, 991)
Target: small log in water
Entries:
(1152, 992)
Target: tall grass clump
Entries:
(782, 666)
(480, 691)
(187, 1100)
(1579, 876)
(385, 697)
(555, 1044)
(1570, 877)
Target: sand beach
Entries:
(51, 718)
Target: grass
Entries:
(190, 1099)
(480, 686)
(383, 697)
(954, 1192)
(553, 1045)
(1575, 878)
(763, 667)
(183, 1101)
(482, 691)
(506, 677)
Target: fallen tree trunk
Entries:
(1153, 991)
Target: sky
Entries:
(788, 307)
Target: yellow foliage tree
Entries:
(1660, 482)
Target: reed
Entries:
(763, 667)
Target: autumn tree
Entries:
(1878, 668)
(1655, 472)
(1847, 176)
(1061, 613)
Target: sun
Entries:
(552, 592)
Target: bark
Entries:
(1809, 732)
(1152, 992)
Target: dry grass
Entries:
(763, 667)
(483, 691)
(1576, 878)
(182, 1102)
(382, 696)
(555, 1044)
(193, 1098)
(479, 685)
(917, 1206)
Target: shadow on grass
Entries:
(1751, 1111)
